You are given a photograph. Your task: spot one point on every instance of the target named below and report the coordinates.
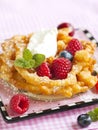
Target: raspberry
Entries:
(63, 25)
(73, 46)
(60, 68)
(96, 86)
(66, 25)
(44, 70)
(72, 33)
(19, 103)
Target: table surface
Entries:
(26, 16)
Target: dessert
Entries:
(49, 64)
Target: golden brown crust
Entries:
(76, 81)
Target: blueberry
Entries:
(66, 54)
(84, 120)
(94, 73)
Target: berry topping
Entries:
(67, 25)
(19, 103)
(73, 46)
(44, 70)
(63, 25)
(96, 86)
(60, 68)
(84, 120)
(66, 54)
(94, 73)
(72, 33)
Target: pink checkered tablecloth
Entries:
(61, 121)
(26, 16)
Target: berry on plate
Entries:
(19, 103)
(73, 46)
(44, 70)
(66, 54)
(84, 120)
(60, 68)
(67, 25)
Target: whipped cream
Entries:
(96, 67)
(44, 42)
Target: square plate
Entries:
(39, 108)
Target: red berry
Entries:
(96, 86)
(73, 46)
(19, 103)
(60, 68)
(71, 33)
(63, 25)
(44, 70)
(66, 25)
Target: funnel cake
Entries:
(79, 78)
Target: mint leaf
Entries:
(30, 64)
(96, 110)
(94, 114)
(29, 60)
(27, 55)
(24, 63)
(39, 58)
(19, 62)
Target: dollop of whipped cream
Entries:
(44, 42)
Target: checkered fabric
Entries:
(61, 121)
(26, 16)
